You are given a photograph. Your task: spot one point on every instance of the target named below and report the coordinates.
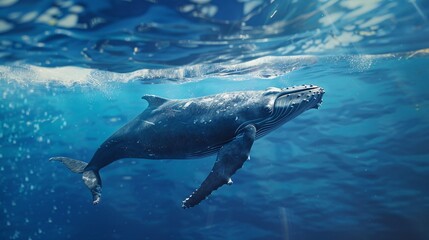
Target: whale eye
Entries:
(268, 109)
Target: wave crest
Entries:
(264, 68)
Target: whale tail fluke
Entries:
(91, 178)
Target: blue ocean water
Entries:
(73, 72)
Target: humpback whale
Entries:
(226, 124)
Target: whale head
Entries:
(282, 105)
(301, 98)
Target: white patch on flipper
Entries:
(149, 123)
(187, 104)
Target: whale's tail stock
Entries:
(91, 178)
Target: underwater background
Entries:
(73, 72)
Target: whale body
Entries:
(226, 124)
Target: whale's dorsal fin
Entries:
(154, 101)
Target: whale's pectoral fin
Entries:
(91, 178)
(230, 158)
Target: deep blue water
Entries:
(73, 72)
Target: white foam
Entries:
(359, 8)
(5, 26)
(66, 76)
(330, 18)
(7, 3)
(250, 5)
(264, 67)
(30, 16)
(68, 21)
(376, 20)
